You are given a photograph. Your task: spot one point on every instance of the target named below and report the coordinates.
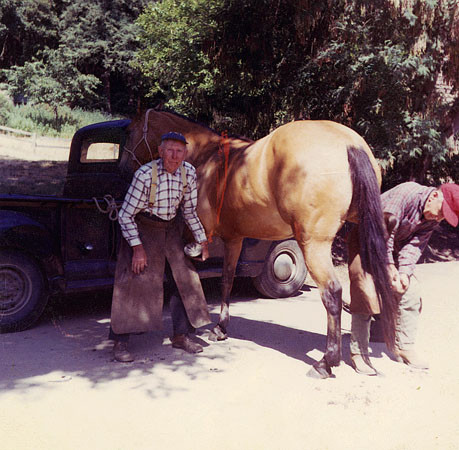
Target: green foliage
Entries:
(51, 82)
(100, 38)
(6, 107)
(26, 27)
(78, 52)
(224, 59)
(370, 64)
(40, 119)
(175, 37)
(381, 67)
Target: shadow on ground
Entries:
(32, 177)
(72, 338)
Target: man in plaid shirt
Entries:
(411, 213)
(152, 234)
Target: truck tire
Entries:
(284, 271)
(23, 293)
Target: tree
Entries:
(371, 64)
(50, 82)
(66, 43)
(173, 55)
(229, 61)
(381, 68)
(100, 38)
(27, 27)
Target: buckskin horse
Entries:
(303, 180)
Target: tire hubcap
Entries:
(14, 290)
(284, 267)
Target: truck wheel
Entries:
(284, 272)
(23, 295)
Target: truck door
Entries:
(90, 238)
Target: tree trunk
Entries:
(107, 94)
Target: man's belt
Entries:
(154, 218)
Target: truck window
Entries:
(99, 152)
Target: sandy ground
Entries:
(59, 388)
(42, 149)
(39, 170)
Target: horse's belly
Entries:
(256, 223)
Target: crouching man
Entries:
(411, 213)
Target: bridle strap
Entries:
(223, 152)
(142, 139)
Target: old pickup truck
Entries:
(60, 245)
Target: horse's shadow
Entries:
(292, 342)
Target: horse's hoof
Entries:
(217, 334)
(320, 373)
(212, 336)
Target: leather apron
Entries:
(137, 303)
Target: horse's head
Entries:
(141, 145)
(144, 137)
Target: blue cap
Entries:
(174, 136)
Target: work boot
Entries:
(362, 365)
(360, 336)
(410, 358)
(121, 353)
(185, 343)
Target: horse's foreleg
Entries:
(319, 262)
(232, 252)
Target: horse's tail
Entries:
(372, 234)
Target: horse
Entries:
(304, 180)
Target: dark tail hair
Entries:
(372, 235)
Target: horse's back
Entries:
(319, 138)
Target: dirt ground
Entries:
(60, 389)
(36, 171)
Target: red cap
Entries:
(450, 207)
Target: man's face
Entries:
(173, 153)
(432, 208)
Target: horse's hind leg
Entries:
(317, 255)
(232, 251)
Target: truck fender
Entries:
(21, 232)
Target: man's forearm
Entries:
(129, 229)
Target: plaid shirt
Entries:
(169, 196)
(412, 231)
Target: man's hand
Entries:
(405, 281)
(139, 259)
(205, 250)
(399, 282)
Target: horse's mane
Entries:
(201, 124)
